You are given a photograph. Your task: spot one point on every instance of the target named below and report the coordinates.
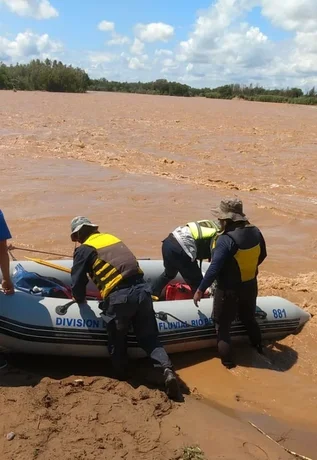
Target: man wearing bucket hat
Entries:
(238, 251)
(126, 297)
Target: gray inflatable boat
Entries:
(37, 325)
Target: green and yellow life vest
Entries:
(203, 232)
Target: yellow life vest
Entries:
(115, 262)
(244, 265)
(203, 232)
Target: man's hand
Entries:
(7, 287)
(197, 297)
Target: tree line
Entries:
(172, 88)
(55, 76)
(44, 76)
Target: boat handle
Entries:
(62, 309)
(162, 315)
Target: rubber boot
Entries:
(171, 384)
(3, 362)
(226, 355)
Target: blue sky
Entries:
(205, 43)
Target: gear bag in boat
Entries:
(39, 285)
(180, 291)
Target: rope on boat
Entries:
(12, 248)
(162, 315)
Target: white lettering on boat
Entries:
(166, 326)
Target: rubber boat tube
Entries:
(33, 324)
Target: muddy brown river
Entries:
(141, 165)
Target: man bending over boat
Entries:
(238, 251)
(7, 285)
(182, 249)
(126, 297)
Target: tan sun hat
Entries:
(78, 222)
(232, 209)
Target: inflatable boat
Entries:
(52, 326)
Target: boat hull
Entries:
(30, 324)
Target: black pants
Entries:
(176, 261)
(227, 306)
(132, 305)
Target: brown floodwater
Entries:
(141, 165)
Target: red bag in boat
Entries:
(180, 291)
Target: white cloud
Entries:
(170, 63)
(210, 29)
(138, 63)
(137, 47)
(155, 31)
(135, 63)
(38, 9)
(222, 48)
(118, 40)
(28, 45)
(100, 58)
(163, 52)
(298, 15)
(106, 26)
(307, 42)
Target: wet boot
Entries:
(3, 362)
(228, 363)
(259, 349)
(171, 384)
(226, 354)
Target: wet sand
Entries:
(141, 165)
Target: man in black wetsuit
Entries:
(238, 251)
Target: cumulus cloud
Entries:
(223, 48)
(163, 52)
(155, 31)
(307, 42)
(118, 40)
(138, 63)
(292, 14)
(100, 58)
(106, 26)
(38, 9)
(28, 45)
(211, 27)
(137, 47)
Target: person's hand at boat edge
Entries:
(7, 287)
(197, 297)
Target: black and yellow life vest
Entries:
(243, 267)
(203, 232)
(115, 262)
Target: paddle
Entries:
(49, 264)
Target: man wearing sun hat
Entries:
(126, 297)
(238, 251)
